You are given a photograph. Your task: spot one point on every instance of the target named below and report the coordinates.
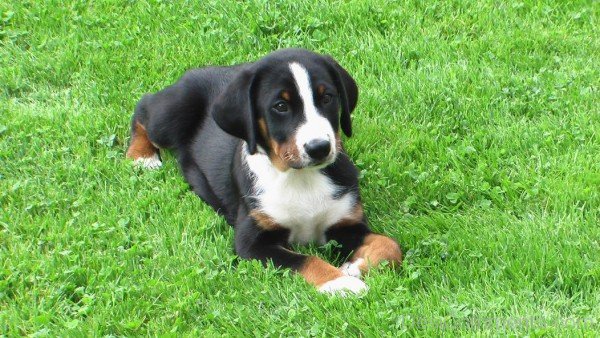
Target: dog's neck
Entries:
(301, 200)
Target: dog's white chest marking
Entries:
(299, 200)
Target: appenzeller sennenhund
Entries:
(260, 143)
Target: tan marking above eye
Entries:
(285, 95)
(321, 90)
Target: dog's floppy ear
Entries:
(233, 110)
(348, 92)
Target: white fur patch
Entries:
(152, 162)
(352, 268)
(344, 285)
(299, 200)
(316, 127)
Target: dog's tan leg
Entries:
(328, 279)
(324, 276)
(374, 250)
(141, 150)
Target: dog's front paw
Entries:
(344, 285)
(352, 268)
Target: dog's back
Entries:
(172, 115)
(178, 118)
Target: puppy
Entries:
(260, 143)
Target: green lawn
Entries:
(477, 137)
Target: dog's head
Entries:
(291, 105)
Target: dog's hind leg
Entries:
(141, 150)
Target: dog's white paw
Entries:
(152, 162)
(352, 268)
(344, 286)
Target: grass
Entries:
(476, 135)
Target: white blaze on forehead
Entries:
(316, 127)
(303, 85)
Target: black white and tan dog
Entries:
(260, 143)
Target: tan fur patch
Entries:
(321, 90)
(281, 154)
(318, 272)
(338, 142)
(284, 155)
(355, 217)
(140, 146)
(264, 221)
(262, 128)
(376, 249)
(285, 95)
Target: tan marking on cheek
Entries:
(274, 150)
(140, 146)
(376, 249)
(262, 128)
(284, 154)
(277, 160)
(318, 272)
(289, 151)
(285, 95)
(281, 154)
(338, 142)
(264, 221)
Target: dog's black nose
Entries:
(317, 149)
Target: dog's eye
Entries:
(281, 106)
(327, 98)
